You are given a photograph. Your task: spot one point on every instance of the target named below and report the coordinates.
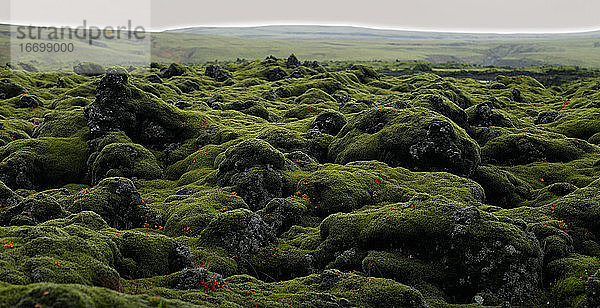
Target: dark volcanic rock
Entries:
(292, 61)
(484, 115)
(118, 202)
(9, 89)
(88, 69)
(546, 117)
(240, 232)
(253, 167)
(592, 291)
(341, 99)
(146, 120)
(329, 122)
(276, 73)
(197, 278)
(282, 213)
(516, 95)
(29, 101)
(218, 73)
(175, 69)
(109, 111)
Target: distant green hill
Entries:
(577, 49)
(204, 44)
(308, 32)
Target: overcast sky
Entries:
(444, 15)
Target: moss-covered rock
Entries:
(42, 163)
(485, 115)
(77, 296)
(240, 232)
(578, 209)
(118, 202)
(63, 124)
(329, 122)
(174, 69)
(501, 188)
(217, 72)
(592, 291)
(141, 251)
(190, 214)
(253, 167)
(443, 106)
(435, 226)
(10, 89)
(524, 148)
(414, 138)
(147, 120)
(32, 210)
(125, 160)
(249, 189)
(65, 254)
(282, 213)
(88, 69)
(28, 101)
(569, 277)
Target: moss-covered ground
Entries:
(287, 183)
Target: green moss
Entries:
(250, 153)
(441, 105)
(416, 138)
(191, 214)
(15, 129)
(117, 201)
(579, 208)
(327, 85)
(141, 250)
(125, 160)
(43, 162)
(63, 124)
(501, 188)
(256, 171)
(32, 210)
(400, 268)
(577, 123)
(67, 103)
(283, 139)
(568, 278)
(281, 262)
(579, 172)
(75, 295)
(526, 148)
(314, 95)
(66, 254)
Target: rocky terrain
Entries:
(280, 183)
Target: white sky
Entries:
(504, 16)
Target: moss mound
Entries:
(415, 138)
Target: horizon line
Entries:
(355, 25)
(375, 27)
